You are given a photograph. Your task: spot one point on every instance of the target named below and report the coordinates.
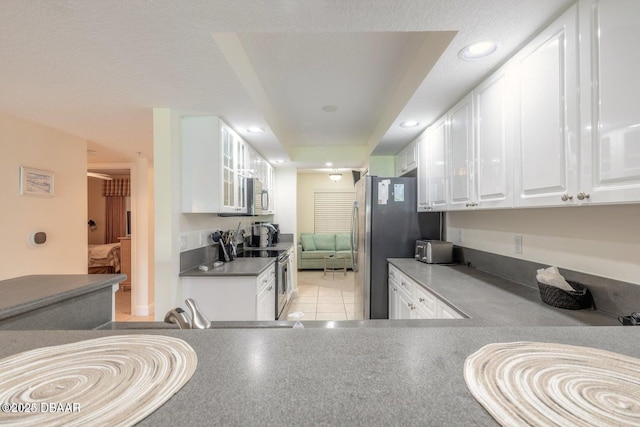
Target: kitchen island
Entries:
(353, 376)
(58, 301)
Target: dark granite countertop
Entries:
(489, 300)
(237, 267)
(27, 293)
(356, 377)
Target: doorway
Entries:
(104, 230)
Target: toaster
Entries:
(434, 251)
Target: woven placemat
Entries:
(116, 380)
(547, 384)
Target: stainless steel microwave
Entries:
(256, 199)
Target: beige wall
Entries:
(307, 184)
(600, 240)
(63, 217)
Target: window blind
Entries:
(332, 211)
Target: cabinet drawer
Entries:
(425, 299)
(265, 278)
(394, 274)
(406, 286)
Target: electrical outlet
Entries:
(518, 244)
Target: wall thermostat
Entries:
(37, 238)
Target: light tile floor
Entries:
(324, 297)
(123, 309)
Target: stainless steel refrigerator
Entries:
(385, 224)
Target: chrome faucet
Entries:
(179, 317)
(197, 320)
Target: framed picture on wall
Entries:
(36, 182)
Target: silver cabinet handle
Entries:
(566, 197)
(582, 195)
(421, 299)
(269, 288)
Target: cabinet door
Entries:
(493, 141)
(241, 174)
(201, 164)
(411, 156)
(266, 309)
(610, 155)
(546, 116)
(437, 170)
(460, 167)
(393, 300)
(423, 168)
(228, 170)
(404, 306)
(399, 163)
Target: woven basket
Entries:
(572, 300)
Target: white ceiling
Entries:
(97, 68)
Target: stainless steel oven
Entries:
(282, 283)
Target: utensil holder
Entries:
(229, 251)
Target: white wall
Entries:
(63, 217)
(286, 189)
(307, 184)
(166, 196)
(599, 240)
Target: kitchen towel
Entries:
(552, 277)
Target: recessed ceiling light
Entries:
(255, 129)
(329, 108)
(279, 161)
(328, 164)
(479, 50)
(409, 124)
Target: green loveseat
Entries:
(312, 248)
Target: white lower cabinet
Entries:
(410, 300)
(234, 297)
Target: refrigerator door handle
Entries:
(355, 231)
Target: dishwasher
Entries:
(282, 283)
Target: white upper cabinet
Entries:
(546, 116)
(492, 104)
(437, 165)
(461, 170)
(407, 159)
(423, 158)
(216, 163)
(432, 171)
(610, 117)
